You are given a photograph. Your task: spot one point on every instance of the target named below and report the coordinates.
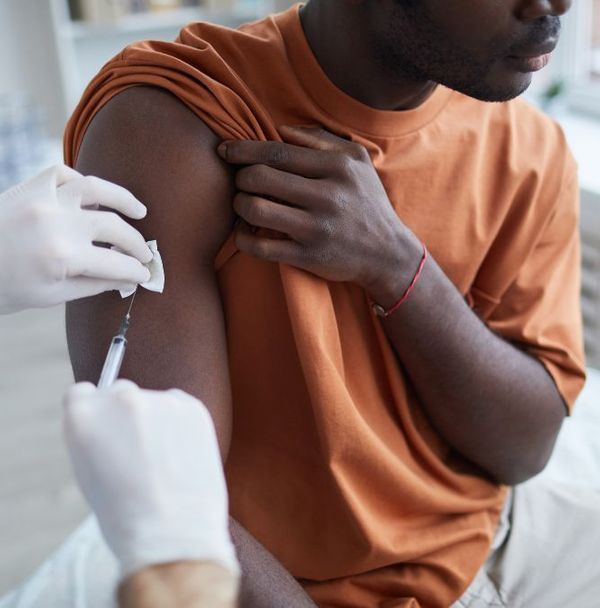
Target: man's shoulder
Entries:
(153, 121)
(148, 141)
(250, 51)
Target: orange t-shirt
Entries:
(334, 466)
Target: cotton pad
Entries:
(157, 273)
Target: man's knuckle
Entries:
(264, 250)
(252, 178)
(255, 213)
(327, 229)
(277, 155)
(251, 208)
(344, 164)
(313, 233)
(261, 173)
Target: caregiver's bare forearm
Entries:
(180, 585)
(492, 402)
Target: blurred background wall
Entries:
(49, 49)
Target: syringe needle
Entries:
(128, 315)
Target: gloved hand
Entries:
(148, 463)
(47, 229)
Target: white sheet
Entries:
(576, 457)
(83, 573)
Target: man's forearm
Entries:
(493, 403)
(180, 585)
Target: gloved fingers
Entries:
(123, 384)
(191, 406)
(94, 192)
(186, 397)
(78, 400)
(64, 174)
(86, 287)
(123, 390)
(82, 388)
(108, 264)
(79, 391)
(108, 227)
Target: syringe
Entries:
(116, 352)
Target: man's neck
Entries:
(345, 55)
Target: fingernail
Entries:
(222, 150)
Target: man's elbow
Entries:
(521, 472)
(525, 463)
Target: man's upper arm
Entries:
(149, 142)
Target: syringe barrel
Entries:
(112, 364)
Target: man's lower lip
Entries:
(529, 64)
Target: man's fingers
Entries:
(279, 155)
(108, 264)
(108, 227)
(317, 139)
(284, 251)
(95, 192)
(262, 213)
(266, 181)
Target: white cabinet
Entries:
(85, 47)
(51, 58)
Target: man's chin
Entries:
(490, 90)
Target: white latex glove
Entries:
(148, 463)
(47, 229)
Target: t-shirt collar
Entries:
(339, 105)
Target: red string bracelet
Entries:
(380, 311)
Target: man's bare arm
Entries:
(149, 142)
(491, 401)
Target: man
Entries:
(392, 335)
(165, 520)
